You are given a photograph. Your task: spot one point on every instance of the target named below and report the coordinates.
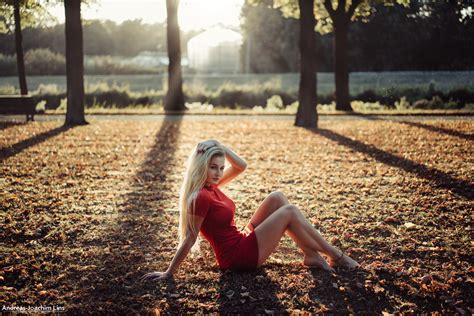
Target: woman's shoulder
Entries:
(202, 202)
(203, 193)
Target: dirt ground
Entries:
(88, 210)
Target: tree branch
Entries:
(328, 6)
(352, 8)
(341, 7)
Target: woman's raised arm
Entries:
(238, 165)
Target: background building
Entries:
(216, 50)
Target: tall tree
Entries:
(336, 16)
(337, 20)
(74, 64)
(19, 48)
(270, 40)
(341, 19)
(307, 115)
(29, 11)
(174, 100)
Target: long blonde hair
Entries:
(194, 179)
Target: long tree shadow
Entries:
(441, 130)
(32, 141)
(432, 128)
(7, 125)
(438, 178)
(347, 293)
(368, 292)
(248, 293)
(137, 237)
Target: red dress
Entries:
(234, 250)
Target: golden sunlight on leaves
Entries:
(89, 210)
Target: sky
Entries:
(192, 14)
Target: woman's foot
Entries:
(316, 261)
(343, 261)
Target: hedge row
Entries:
(248, 97)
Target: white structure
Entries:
(215, 50)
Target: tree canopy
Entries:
(32, 12)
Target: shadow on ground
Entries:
(7, 125)
(248, 293)
(437, 129)
(135, 237)
(441, 130)
(436, 177)
(32, 141)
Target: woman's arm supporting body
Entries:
(179, 256)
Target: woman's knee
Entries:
(278, 197)
(290, 210)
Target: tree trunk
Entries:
(307, 116)
(74, 64)
(19, 49)
(341, 27)
(174, 100)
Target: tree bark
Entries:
(19, 49)
(74, 64)
(174, 100)
(307, 115)
(341, 27)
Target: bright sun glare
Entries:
(192, 14)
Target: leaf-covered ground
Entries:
(87, 210)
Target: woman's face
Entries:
(215, 170)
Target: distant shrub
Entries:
(41, 61)
(403, 104)
(461, 96)
(7, 90)
(44, 62)
(361, 106)
(435, 103)
(47, 89)
(62, 105)
(198, 106)
(247, 96)
(8, 66)
(253, 96)
(115, 96)
(368, 96)
(53, 101)
(196, 93)
(275, 102)
(327, 107)
(109, 65)
(469, 107)
(326, 98)
(41, 107)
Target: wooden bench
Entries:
(18, 104)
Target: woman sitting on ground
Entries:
(204, 208)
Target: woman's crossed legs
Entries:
(275, 216)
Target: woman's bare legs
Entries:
(289, 217)
(270, 204)
(273, 202)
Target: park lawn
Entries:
(242, 111)
(88, 210)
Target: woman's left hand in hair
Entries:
(203, 146)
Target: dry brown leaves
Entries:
(88, 210)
